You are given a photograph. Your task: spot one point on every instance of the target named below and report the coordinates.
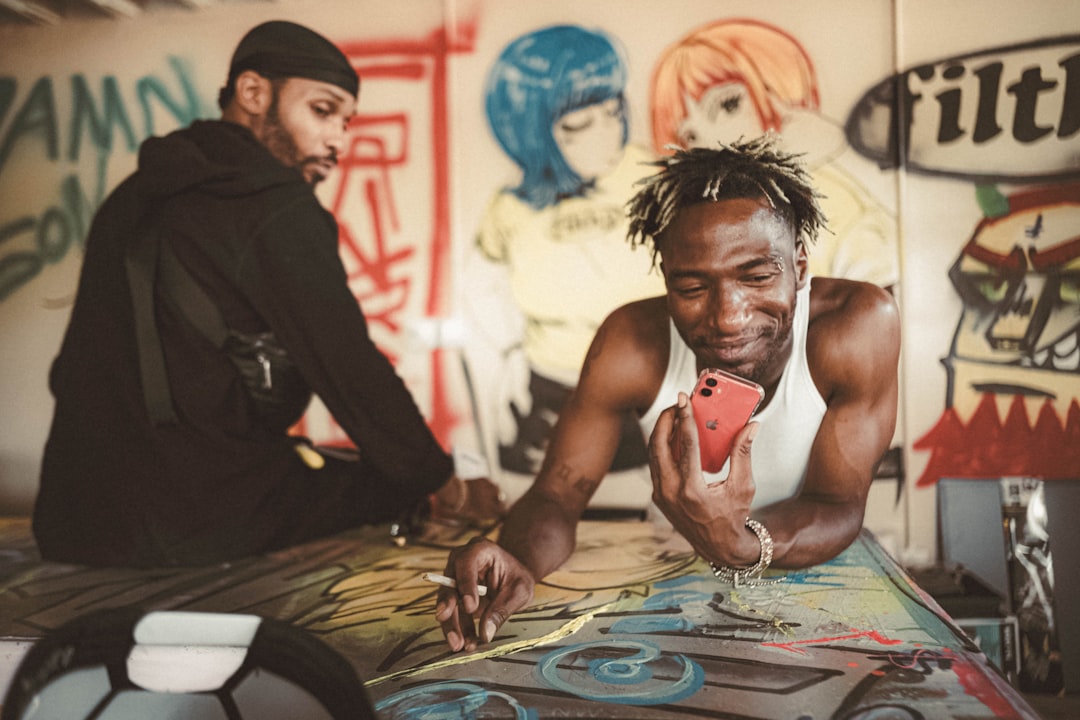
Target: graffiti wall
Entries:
(74, 109)
(480, 199)
(695, 76)
(986, 130)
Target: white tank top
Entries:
(789, 423)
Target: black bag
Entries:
(270, 378)
(277, 392)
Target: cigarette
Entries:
(451, 583)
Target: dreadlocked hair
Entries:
(756, 168)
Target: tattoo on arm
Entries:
(580, 483)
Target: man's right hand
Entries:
(461, 611)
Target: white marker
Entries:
(451, 583)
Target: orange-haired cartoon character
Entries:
(741, 78)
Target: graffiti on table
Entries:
(675, 649)
(636, 626)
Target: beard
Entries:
(780, 341)
(281, 144)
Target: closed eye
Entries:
(572, 128)
(689, 291)
(759, 279)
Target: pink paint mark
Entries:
(913, 659)
(855, 635)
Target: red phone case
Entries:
(723, 403)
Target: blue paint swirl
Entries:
(644, 675)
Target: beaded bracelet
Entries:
(750, 575)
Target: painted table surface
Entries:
(633, 626)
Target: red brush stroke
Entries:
(855, 635)
(424, 61)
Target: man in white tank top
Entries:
(730, 229)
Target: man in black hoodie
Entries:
(212, 303)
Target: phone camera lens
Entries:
(706, 392)
(711, 382)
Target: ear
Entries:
(254, 93)
(802, 264)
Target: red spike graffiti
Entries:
(987, 447)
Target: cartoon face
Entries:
(1019, 278)
(591, 138)
(723, 114)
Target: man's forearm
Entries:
(809, 532)
(538, 532)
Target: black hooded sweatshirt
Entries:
(222, 482)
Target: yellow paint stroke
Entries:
(558, 634)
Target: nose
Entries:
(729, 310)
(335, 141)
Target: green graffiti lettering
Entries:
(100, 116)
(101, 127)
(185, 112)
(18, 267)
(102, 120)
(52, 235)
(37, 115)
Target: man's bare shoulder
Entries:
(643, 321)
(630, 350)
(854, 327)
(838, 306)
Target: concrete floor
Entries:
(1055, 707)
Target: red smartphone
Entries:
(723, 403)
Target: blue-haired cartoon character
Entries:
(555, 104)
(555, 101)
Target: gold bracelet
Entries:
(750, 575)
